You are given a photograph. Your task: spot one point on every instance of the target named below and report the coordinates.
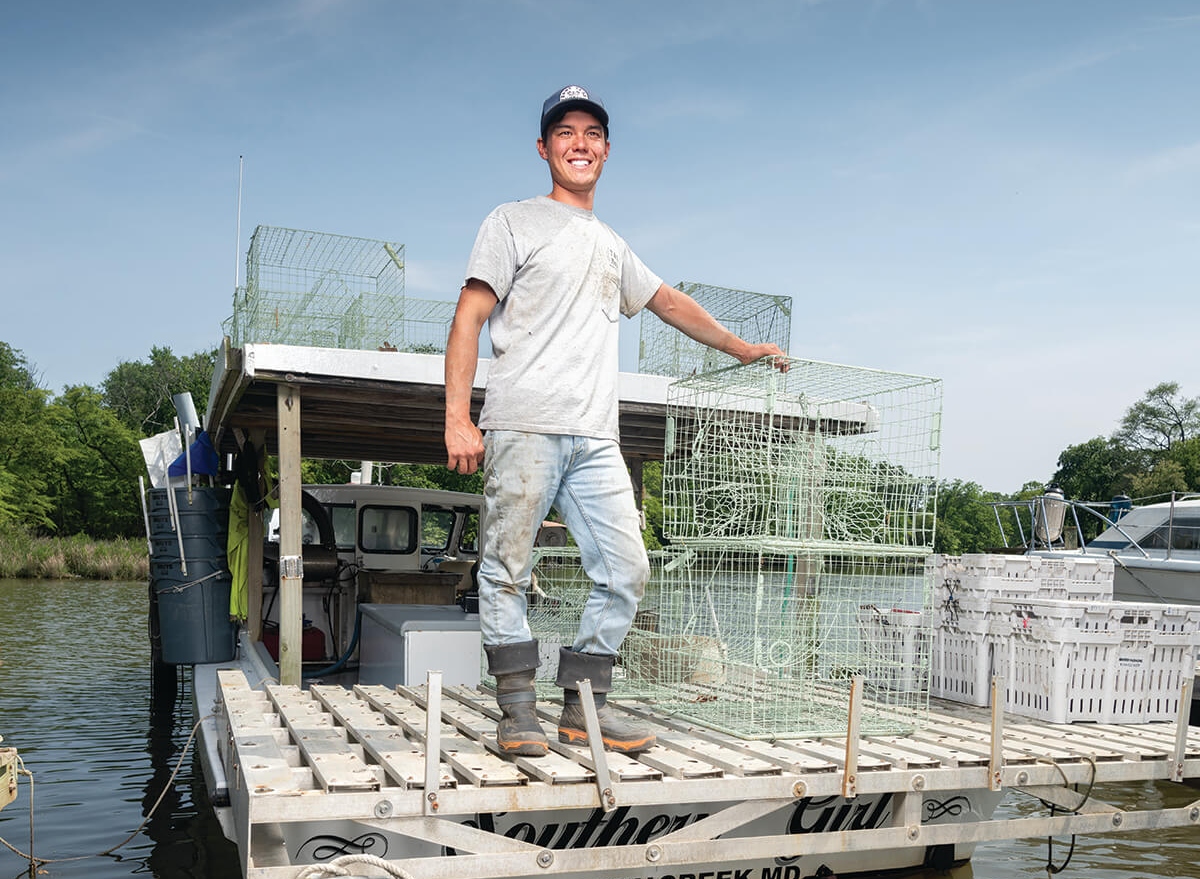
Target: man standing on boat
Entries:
(551, 282)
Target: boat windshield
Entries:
(1183, 533)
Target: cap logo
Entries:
(573, 92)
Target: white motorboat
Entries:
(1155, 547)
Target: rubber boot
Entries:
(514, 666)
(617, 733)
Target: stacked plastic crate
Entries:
(1064, 650)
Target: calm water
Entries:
(76, 700)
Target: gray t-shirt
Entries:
(563, 279)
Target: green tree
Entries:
(325, 471)
(28, 447)
(15, 371)
(96, 484)
(652, 505)
(1187, 455)
(1096, 470)
(965, 521)
(140, 394)
(1163, 478)
(435, 476)
(9, 492)
(1159, 420)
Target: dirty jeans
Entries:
(585, 479)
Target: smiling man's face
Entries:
(575, 148)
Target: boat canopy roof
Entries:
(390, 405)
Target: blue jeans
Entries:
(586, 480)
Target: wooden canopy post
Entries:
(639, 489)
(291, 562)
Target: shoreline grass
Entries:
(27, 556)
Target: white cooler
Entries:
(401, 643)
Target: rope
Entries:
(337, 867)
(29, 857)
(183, 586)
(35, 862)
(1128, 570)
(1086, 793)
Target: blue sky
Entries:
(1003, 195)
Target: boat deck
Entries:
(378, 757)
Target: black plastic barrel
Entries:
(191, 598)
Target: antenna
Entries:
(237, 245)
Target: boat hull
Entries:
(1169, 581)
(610, 836)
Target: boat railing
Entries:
(1171, 517)
(1044, 509)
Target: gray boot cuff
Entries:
(506, 659)
(575, 667)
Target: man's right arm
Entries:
(675, 308)
(464, 442)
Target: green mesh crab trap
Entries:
(556, 598)
(764, 644)
(825, 456)
(800, 507)
(757, 643)
(332, 291)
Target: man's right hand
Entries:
(464, 447)
(464, 442)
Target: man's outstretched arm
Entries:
(464, 442)
(681, 311)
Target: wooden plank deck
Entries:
(372, 738)
(359, 755)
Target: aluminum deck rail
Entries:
(379, 758)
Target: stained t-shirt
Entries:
(563, 279)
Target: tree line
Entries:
(69, 463)
(1155, 450)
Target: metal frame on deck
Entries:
(384, 759)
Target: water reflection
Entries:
(101, 738)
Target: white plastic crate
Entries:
(960, 660)
(1131, 618)
(1166, 619)
(1018, 615)
(1074, 590)
(1000, 565)
(1062, 659)
(965, 608)
(1063, 675)
(896, 648)
(989, 575)
(1090, 568)
(1172, 662)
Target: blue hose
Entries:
(345, 657)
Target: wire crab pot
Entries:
(800, 508)
(333, 291)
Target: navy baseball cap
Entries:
(572, 97)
